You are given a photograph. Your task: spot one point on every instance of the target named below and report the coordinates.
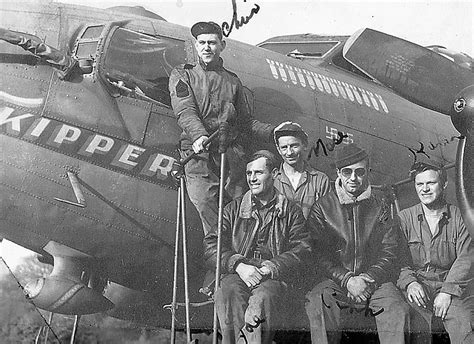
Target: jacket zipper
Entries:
(354, 225)
(248, 237)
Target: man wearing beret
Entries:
(296, 178)
(355, 247)
(205, 97)
(437, 259)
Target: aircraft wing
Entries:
(416, 73)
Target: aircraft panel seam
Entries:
(108, 167)
(106, 225)
(22, 76)
(39, 174)
(88, 193)
(47, 114)
(135, 102)
(100, 131)
(29, 229)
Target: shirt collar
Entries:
(307, 168)
(249, 203)
(310, 169)
(216, 65)
(446, 211)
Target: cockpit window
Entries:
(305, 49)
(143, 63)
(86, 45)
(86, 50)
(92, 32)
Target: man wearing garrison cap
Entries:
(355, 248)
(205, 97)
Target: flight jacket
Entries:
(288, 240)
(354, 236)
(443, 259)
(200, 95)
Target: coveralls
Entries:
(200, 95)
(440, 262)
(312, 186)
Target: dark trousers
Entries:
(457, 322)
(202, 183)
(326, 301)
(237, 304)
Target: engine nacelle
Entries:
(462, 112)
(59, 294)
(65, 290)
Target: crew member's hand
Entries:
(249, 274)
(265, 270)
(198, 145)
(441, 304)
(359, 288)
(416, 294)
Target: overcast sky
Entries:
(447, 23)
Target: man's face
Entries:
(354, 177)
(429, 187)
(291, 149)
(209, 47)
(259, 178)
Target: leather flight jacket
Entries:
(354, 238)
(201, 96)
(288, 240)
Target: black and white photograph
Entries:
(236, 172)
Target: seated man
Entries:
(296, 179)
(438, 257)
(355, 246)
(262, 247)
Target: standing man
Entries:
(205, 96)
(262, 249)
(355, 246)
(296, 179)
(439, 258)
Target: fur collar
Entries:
(345, 198)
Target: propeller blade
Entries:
(465, 182)
(462, 116)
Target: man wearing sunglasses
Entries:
(437, 257)
(355, 248)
